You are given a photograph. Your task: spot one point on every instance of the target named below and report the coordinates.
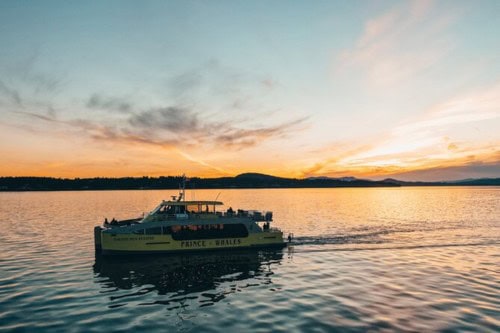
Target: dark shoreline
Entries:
(243, 181)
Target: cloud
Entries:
(23, 86)
(112, 135)
(474, 169)
(208, 79)
(97, 101)
(186, 83)
(340, 151)
(24, 73)
(189, 128)
(399, 44)
(436, 139)
(209, 108)
(241, 138)
(173, 119)
(484, 162)
(269, 83)
(39, 116)
(11, 94)
(176, 127)
(203, 163)
(424, 135)
(482, 104)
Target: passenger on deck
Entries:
(230, 211)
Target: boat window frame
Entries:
(151, 228)
(209, 231)
(136, 232)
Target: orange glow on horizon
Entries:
(410, 91)
(198, 168)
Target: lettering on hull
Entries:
(187, 244)
(211, 243)
(121, 239)
(226, 242)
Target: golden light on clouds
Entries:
(406, 89)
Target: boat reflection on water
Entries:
(203, 278)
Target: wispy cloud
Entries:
(23, 86)
(433, 140)
(399, 44)
(12, 95)
(98, 101)
(476, 106)
(201, 162)
(185, 128)
(233, 137)
(475, 169)
(176, 127)
(172, 119)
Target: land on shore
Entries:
(246, 180)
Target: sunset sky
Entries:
(371, 89)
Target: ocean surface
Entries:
(363, 259)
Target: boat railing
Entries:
(262, 216)
(258, 216)
(274, 229)
(115, 223)
(173, 217)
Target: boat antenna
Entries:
(184, 187)
(193, 194)
(216, 200)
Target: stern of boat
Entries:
(98, 239)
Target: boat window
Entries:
(208, 231)
(167, 230)
(153, 231)
(138, 232)
(167, 210)
(194, 208)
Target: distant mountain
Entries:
(460, 180)
(256, 176)
(245, 180)
(464, 182)
(343, 179)
(318, 178)
(481, 181)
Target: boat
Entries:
(178, 226)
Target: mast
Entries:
(183, 193)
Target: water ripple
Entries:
(358, 263)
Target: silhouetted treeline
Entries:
(170, 182)
(248, 180)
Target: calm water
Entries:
(414, 259)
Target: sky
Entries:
(370, 89)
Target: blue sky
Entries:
(292, 88)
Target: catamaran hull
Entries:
(109, 244)
(226, 249)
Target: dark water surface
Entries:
(405, 259)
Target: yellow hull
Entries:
(131, 243)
